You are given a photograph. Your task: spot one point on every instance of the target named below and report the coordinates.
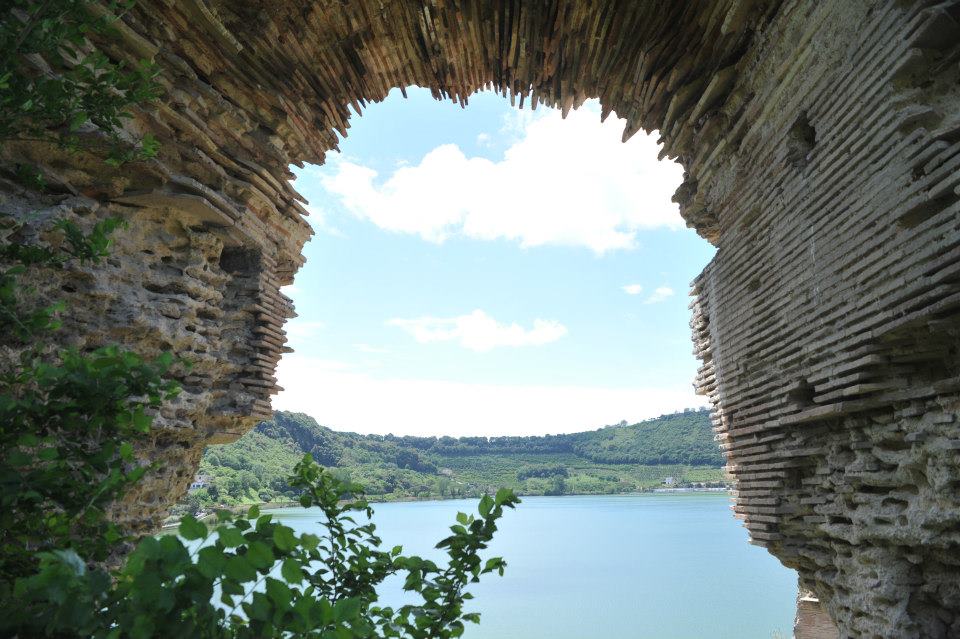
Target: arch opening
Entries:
(450, 328)
(489, 250)
(836, 238)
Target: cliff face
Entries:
(820, 142)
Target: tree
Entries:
(443, 486)
(558, 485)
(196, 500)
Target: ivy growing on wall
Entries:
(56, 87)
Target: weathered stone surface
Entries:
(821, 143)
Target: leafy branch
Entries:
(55, 86)
(284, 584)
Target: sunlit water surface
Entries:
(652, 566)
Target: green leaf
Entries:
(347, 609)
(28, 440)
(291, 571)
(48, 454)
(78, 120)
(211, 561)
(260, 555)
(239, 569)
(191, 529)
(230, 586)
(486, 505)
(18, 458)
(230, 536)
(279, 593)
(142, 628)
(254, 512)
(258, 608)
(284, 538)
(142, 422)
(309, 541)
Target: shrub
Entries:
(271, 582)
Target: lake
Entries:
(651, 566)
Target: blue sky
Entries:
(490, 271)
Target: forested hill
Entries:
(681, 438)
(619, 458)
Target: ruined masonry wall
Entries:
(820, 142)
(828, 322)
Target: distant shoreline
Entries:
(690, 490)
(274, 505)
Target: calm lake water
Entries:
(653, 566)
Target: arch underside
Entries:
(820, 142)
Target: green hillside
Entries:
(614, 459)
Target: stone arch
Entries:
(820, 143)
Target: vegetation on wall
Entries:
(55, 87)
(67, 418)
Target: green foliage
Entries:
(66, 447)
(557, 486)
(680, 438)
(271, 581)
(67, 418)
(54, 85)
(545, 470)
(25, 324)
(253, 469)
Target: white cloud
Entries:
(316, 217)
(483, 139)
(300, 331)
(479, 332)
(321, 224)
(345, 399)
(515, 121)
(659, 295)
(562, 182)
(373, 350)
(632, 289)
